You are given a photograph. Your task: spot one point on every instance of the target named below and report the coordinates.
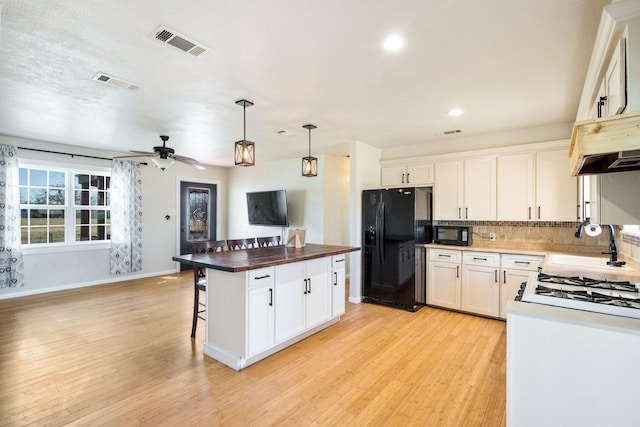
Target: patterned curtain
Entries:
(11, 263)
(126, 217)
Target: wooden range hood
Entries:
(606, 145)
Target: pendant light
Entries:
(245, 150)
(309, 164)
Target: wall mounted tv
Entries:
(268, 208)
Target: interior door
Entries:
(198, 203)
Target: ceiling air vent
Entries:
(452, 132)
(175, 39)
(115, 81)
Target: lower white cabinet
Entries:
(480, 287)
(476, 282)
(253, 314)
(443, 282)
(260, 328)
(303, 297)
(515, 270)
(338, 285)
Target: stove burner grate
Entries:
(613, 285)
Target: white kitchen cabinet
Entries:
(338, 285)
(480, 188)
(448, 190)
(303, 297)
(260, 313)
(465, 189)
(516, 187)
(443, 283)
(612, 99)
(480, 287)
(515, 270)
(556, 190)
(417, 174)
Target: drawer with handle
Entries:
(488, 259)
(445, 255)
(261, 276)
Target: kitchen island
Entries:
(262, 300)
(571, 367)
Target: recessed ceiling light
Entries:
(455, 112)
(393, 43)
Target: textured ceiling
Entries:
(510, 64)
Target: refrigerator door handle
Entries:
(381, 234)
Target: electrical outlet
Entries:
(492, 236)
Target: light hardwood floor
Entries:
(120, 354)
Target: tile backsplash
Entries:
(552, 236)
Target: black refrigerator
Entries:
(393, 222)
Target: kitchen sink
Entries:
(587, 262)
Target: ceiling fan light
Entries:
(162, 163)
(245, 153)
(309, 166)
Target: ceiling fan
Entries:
(164, 156)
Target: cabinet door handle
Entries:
(496, 276)
(459, 213)
(444, 255)
(335, 278)
(408, 177)
(457, 271)
(309, 285)
(305, 286)
(504, 277)
(522, 262)
(466, 213)
(538, 212)
(578, 214)
(479, 259)
(263, 277)
(270, 297)
(403, 178)
(340, 260)
(529, 212)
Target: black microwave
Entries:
(452, 235)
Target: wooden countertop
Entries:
(251, 259)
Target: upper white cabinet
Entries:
(465, 189)
(556, 190)
(418, 174)
(516, 187)
(536, 186)
(448, 190)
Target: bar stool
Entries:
(237, 244)
(263, 242)
(200, 279)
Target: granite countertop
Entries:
(251, 259)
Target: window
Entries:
(60, 205)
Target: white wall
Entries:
(364, 174)
(309, 200)
(84, 265)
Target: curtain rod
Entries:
(70, 154)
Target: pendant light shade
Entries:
(309, 163)
(244, 150)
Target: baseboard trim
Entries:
(118, 278)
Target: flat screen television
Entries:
(268, 208)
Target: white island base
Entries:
(569, 367)
(256, 313)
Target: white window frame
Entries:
(70, 244)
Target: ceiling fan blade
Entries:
(148, 153)
(189, 161)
